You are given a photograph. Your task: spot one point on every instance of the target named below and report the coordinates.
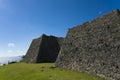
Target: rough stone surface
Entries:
(93, 47)
(43, 49)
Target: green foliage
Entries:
(44, 71)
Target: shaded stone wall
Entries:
(93, 47)
(43, 49)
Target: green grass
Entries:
(24, 71)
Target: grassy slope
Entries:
(23, 71)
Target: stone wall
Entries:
(43, 49)
(93, 47)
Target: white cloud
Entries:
(15, 51)
(20, 51)
(100, 12)
(10, 51)
(11, 45)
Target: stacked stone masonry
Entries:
(93, 47)
(43, 49)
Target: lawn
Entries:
(43, 71)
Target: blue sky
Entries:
(23, 20)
